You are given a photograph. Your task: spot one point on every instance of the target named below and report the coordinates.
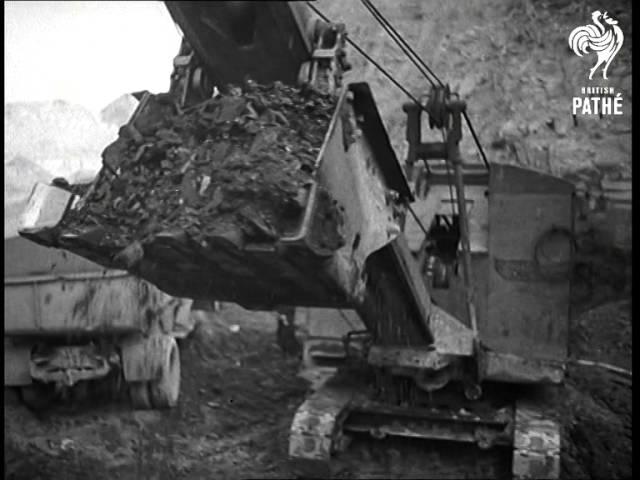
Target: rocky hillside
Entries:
(57, 136)
(511, 61)
(44, 140)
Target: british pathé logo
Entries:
(604, 38)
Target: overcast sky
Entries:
(86, 52)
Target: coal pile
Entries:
(238, 167)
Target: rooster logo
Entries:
(605, 40)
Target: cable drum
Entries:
(554, 254)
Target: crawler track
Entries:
(395, 457)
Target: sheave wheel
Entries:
(165, 390)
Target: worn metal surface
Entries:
(452, 299)
(23, 258)
(316, 429)
(408, 357)
(536, 444)
(486, 430)
(49, 292)
(328, 322)
(518, 270)
(323, 352)
(70, 364)
(411, 278)
(46, 207)
(502, 367)
(99, 303)
(449, 334)
(525, 318)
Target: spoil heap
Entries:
(237, 167)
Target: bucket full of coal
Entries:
(267, 196)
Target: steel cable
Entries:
(415, 59)
(420, 65)
(402, 43)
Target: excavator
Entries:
(458, 272)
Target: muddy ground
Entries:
(239, 393)
(237, 399)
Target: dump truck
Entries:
(69, 322)
(457, 272)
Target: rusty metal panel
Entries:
(351, 169)
(315, 431)
(453, 299)
(513, 369)
(413, 279)
(528, 311)
(450, 336)
(536, 444)
(407, 357)
(46, 206)
(115, 302)
(23, 257)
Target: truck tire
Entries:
(139, 394)
(165, 390)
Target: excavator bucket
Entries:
(351, 213)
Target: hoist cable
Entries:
(402, 43)
(475, 139)
(418, 62)
(413, 56)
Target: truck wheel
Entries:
(165, 390)
(139, 394)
